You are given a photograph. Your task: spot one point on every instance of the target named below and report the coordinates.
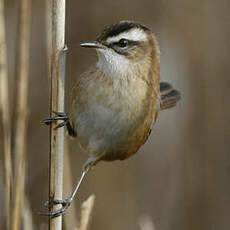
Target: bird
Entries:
(115, 103)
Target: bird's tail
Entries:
(169, 96)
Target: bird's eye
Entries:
(123, 42)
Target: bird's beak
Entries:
(93, 44)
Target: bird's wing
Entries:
(169, 96)
(76, 92)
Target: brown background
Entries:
(180, 177)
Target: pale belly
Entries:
(114, 124)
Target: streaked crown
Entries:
(125, 37)
(119, 28)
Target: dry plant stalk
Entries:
(70, 220)
(146, 223)
(86, 212)
(27, 218)
(21, 102)
(5, 110)
(57, 90)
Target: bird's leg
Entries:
(67, 201)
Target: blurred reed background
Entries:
(180, 177)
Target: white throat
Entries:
(112, 63)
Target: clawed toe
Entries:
(49, 120)
(61, 114)
(55, 202)
(56, 213)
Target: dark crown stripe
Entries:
(120, 27)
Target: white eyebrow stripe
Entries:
(134, 34)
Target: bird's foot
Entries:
(60, 116)
(65, 204)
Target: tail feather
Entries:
(169, 96)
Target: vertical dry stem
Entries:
(70, 219)
(21, 102)
(86, 212)
(27, 218)
(57, 104)
(146, 223)
(5, 110)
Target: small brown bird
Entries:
(115, 104)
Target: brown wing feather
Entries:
(169, 96)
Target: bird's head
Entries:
(124, 46)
